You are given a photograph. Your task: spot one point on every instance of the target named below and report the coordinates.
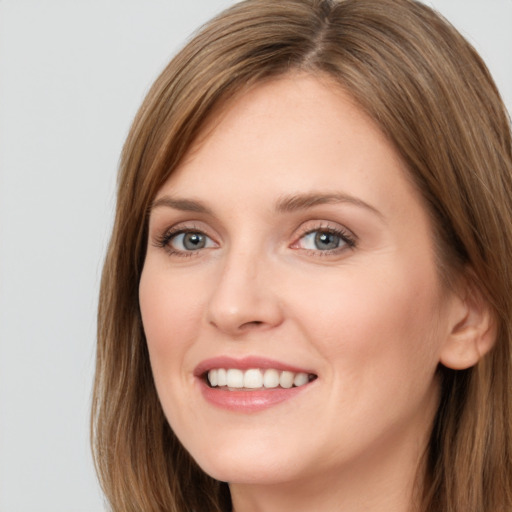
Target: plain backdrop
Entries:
(72, 74)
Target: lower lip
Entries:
(248, 401)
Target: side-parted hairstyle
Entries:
(430, 93)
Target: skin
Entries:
(372, 320)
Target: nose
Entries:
(246, 295)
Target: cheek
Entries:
(380, 340)
(170, 317)
(377, 324)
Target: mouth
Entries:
(256, 379)
(251, 384)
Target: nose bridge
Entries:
(244, 296)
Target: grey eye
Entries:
(325, 240)
(190, 241)
(322, 241)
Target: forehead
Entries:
(295, 132)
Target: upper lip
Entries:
(245, 363)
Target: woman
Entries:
(305, 303)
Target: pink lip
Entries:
(246, 401)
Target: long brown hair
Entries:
(431, 94)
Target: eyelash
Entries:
(349, 240)
(164, 240)
(346, 237)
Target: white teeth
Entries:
(254, 378)
(213, 377)
(234, 378)
(286, 379)
(271, 378)
(299, 380)
(221, 377)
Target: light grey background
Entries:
(72, 74)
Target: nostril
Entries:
(251, 325)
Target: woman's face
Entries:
(290, 249)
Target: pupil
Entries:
(327, 241)
(193, 241)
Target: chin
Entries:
(248, 466)
(243, 472)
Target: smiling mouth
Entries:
(253, 379)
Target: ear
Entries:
(472, 329)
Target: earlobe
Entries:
(472, 331)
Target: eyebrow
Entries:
(285, 204)
(305, 201)
(185, 205)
